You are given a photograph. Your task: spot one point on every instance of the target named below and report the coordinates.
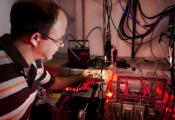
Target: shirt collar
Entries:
(7, 44)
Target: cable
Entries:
(67, 97)
(71, 36)
(86, 38)
(166, 10)
(172, 89)
(138, 47)
(151, 48)
(149, 27)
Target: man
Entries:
(37, 28)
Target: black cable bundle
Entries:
(107, 9)
(149, 27)
(131, 12)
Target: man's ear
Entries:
(34, 42)
(35, 38)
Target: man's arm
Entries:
(62, 82)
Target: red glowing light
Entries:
(158, 90)
(168, 109)
(126, 87)
(107, 100)
(172, 97)
(109, 94)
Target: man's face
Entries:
(47, 48)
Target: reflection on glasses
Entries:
(59, 41)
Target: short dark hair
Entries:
(30, 16)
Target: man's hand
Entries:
(98, 73)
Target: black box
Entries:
(78, 54)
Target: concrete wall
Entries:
(5, 6)
(93, 18)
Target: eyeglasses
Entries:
(58, 42)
